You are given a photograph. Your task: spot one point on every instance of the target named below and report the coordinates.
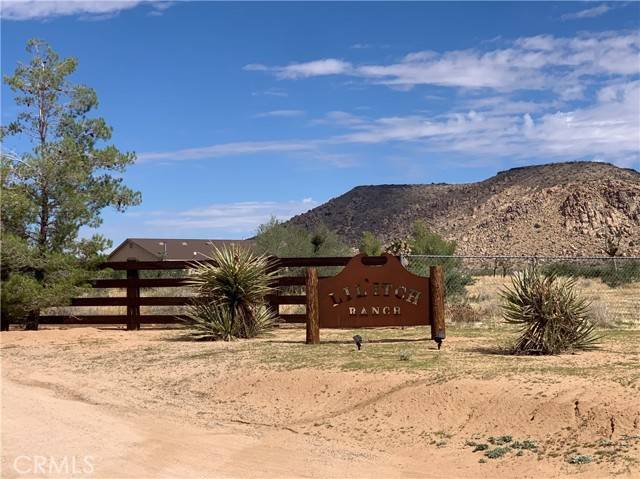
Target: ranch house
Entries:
(160, 249)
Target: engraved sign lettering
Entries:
(366, 295)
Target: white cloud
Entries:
(255, 67)
(504, 105)
(608, 130)
(498, 126)
(229, 149)
(325, 66)
(490, 117)
(280, 114)
(338, 118)
(539, 62)
(467, 69)
(238, 217)
(539, 42)
(271, 92)
(39, 9)
(587, 13)
(420, 128)
(158, 7)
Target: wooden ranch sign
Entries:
(375, 296)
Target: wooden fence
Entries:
(133, 284)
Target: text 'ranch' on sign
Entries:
(364, 295)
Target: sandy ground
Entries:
(154, 404)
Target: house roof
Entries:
(179, 248)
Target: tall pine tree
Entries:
(61, 185)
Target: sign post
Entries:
(375, 296)
(313, 324)
(436, 282)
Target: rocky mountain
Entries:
(553, 209)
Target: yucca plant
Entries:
(211, 321)
(231, 292)
(214, 321)
(553, 317)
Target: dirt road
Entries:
(151, 404)
(37, 423)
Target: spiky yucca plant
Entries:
(552, 316)
(214, 321)
(210, 321)
(230, 294)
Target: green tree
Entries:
(58, 187)
(325, 242)
(280, 239)
(283, 239)
(370, 244)
(286, 240)
(425, 242)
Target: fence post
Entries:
(133, 294)
(313, 323)
(273, 304)
(272, 300)
(4, 321)
(436, 280)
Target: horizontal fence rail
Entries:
(134, 285)
(101, 319)
(611, 284)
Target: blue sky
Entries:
(246, 110)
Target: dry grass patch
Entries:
(610, 307)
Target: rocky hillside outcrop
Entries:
(553, 209)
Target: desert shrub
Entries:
(230, 294)
(282, 239)
(500, 440)
(497, 452)
(455, 280)
(602, 316)
(425, 242)
(485, 306)
(161, 273)
(405, 355)
(613, 273)
(370, 244)
(526, 444)
(552, 316)
(461, 312)
(326, 242)
(579, 459)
